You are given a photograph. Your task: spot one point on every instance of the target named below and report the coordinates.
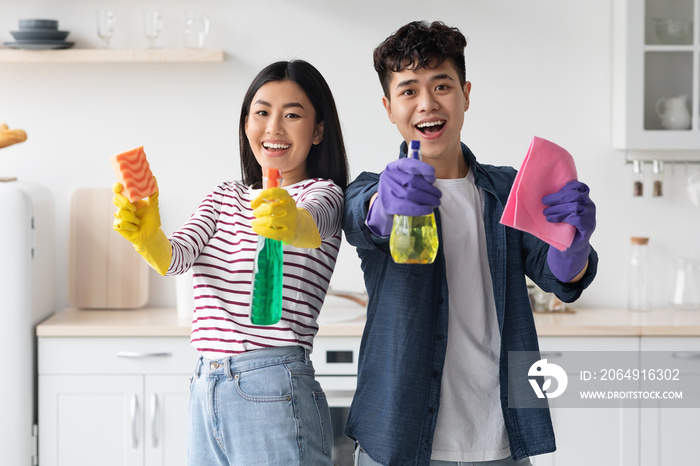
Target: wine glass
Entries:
(105, 25)
(152, 26)
(196, 29)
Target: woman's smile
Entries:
(275, 148)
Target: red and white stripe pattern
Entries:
(219, 243)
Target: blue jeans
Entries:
(262, 407)
(363, 459)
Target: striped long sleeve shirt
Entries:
(219, 243)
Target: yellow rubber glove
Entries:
(139, 223)
(277, 217)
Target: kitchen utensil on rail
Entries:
(657, 168)
(638, 184)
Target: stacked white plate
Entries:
(39, 34)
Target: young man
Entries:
(432, 382)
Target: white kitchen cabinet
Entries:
(601, 436)
(669, 435)
(648, 66)
(113, 401)
(87, 419)
(167, 399)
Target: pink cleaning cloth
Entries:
(545, 170)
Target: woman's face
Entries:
(281, 127)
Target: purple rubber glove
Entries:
(573, 206)
(405, 188)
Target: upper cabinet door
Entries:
(655, 75)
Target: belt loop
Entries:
(307, 356)
(198, 368)
(227, 369)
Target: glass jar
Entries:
(639, 284)
(685, 290)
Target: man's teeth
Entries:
(430, 123)
(268, 145)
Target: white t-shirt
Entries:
(470, 424)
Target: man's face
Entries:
(429, 105)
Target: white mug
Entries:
(673, 112)
(693, 188)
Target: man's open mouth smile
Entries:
(430, 127)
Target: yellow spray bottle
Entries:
(414, 240)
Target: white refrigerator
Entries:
(26, 298)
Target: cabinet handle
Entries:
(686, 355)
(134, 423)
(550, 354)
(138, 355)
(154, 419)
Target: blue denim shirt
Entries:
(395, 408)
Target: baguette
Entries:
(11, 136)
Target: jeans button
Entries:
(214, 365)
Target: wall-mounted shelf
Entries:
(110, 56)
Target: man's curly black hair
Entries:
(420, 45)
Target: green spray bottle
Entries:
(266, 299)
(414, 240)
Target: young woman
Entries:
(254, 398)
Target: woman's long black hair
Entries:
(325, 160)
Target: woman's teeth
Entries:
(268, 145)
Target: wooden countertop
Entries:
(147, 322)
(164, 322)
(618, 322)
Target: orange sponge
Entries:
(134, 173)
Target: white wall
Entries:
(538, 67)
